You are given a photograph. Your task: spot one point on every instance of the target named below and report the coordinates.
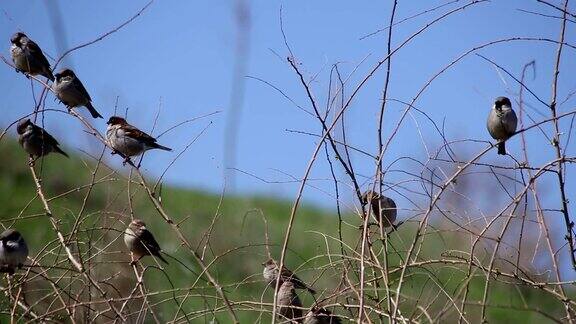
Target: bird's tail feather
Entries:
(161, 258)
(58, 150)
(93, 111)
(48, 74)
(502, 148)
(158, 146)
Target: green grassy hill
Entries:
(236, 240)
(230, 236)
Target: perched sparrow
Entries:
(141, 242)
(28, 57)
(13, 251)
(36, 141)
(383, 208)
(70, 90)
(288, 303)
(321, 316)
(502, 122)
(270, 273)
(129, 140)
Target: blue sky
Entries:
(180, 55)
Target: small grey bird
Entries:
(502, 122)
(129, 140)
(321, 316)
(288, 304)
(13, 251)
(70, 90)
(383, 208)
(141, 242)
(36, 141)
(28, 57)
(270, 274)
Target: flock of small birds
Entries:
(128, 141)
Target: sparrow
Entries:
(321, 316)
(383, 208)
(288, 303)
(141, 242)
(28, 57)
(36, 141)
(71, 92)
(129, 140)
(270, 274)
(502, 122)
(13, 251)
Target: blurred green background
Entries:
(229, 233)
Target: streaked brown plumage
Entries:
(129, 140)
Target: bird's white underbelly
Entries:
(68, 94)
(124, 144)
(129, 238)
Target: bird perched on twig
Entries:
(36, 141)
(28, 57)
(70, 90)
(270, 273)
(13, 251)
(141, 242)
(502, 122)
(321, 316)
(129, 140)
(383, 208)
(288, 304)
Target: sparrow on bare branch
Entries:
(70, 90)
(28, 57)
(129, 140)
(270, 273)
(141, 242)
(383, 208)
(502, 122)
(13, 251)
(288, 304)
(36, 141)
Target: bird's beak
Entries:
(263, 263)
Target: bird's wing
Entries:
(150, 242)
(290, 276)
(511, 121)
(137, 134)
(286, 273)
(46, 138)
(37, 53)
(390, 203)
(80, 88)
